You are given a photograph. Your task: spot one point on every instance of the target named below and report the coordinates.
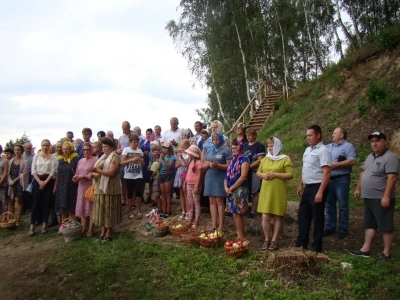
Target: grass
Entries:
(128, 268)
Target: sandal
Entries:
(273, 246)
(132, 216)
(107, 239)
(139, 215)
(265, 245)
(182, 217)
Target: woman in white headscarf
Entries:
(274, 170)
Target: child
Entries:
(155, 174)
(132, 159)
(167, 161)
(192, 184)
(181, 164)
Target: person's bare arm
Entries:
(390, 184)
(324, 183)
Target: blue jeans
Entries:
(338, 190)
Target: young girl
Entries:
(192, 185)
(181, 164)
(132, 159)
(167, 161)
(155, 176)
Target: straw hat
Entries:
(155, 143)
(193, 150)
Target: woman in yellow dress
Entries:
(274, 170)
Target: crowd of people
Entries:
(207, 171)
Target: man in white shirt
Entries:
(315, 176)
(172, 135)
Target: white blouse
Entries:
(43, 165)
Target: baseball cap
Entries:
(378, 134)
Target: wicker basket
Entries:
(236, 252)
(161, 227)
(7, 221)
(191, 236)
(177, 227)
(207, 242)
(72, 231)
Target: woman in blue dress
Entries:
(216, 160)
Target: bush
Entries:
(380, 95)
(361, 107)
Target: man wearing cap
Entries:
(376, 186)
(315, 176)
(343, 158)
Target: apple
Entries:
(203, 235)
(229, 244)
(235, 245)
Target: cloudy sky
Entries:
(65, 65)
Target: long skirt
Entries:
(107, 210)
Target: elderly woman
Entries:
(3, 181)
(216, 126)
(236, 187)
(216, 160)
(83, 206)
(256, 152)
(274, 170)
(43, 172)
(17, 181)
(107, 209)
(65, 189)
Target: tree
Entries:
(22, 140)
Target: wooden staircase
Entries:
(263, 112)
(269, 94)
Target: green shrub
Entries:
(380, 95)
(361, 107)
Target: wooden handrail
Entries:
(247, 107)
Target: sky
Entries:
(66, 65)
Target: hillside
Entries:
(360, 94)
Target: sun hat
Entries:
(193, 150)
(155, 143)
(378, 134)
(166, 144)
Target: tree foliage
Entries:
(22, 140)
(233, 45)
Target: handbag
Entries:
(89, 194)
(29, 188)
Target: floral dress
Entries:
(66, 190)
(14, 173)
(237, 202)
(181, 171)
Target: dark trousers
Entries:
(41, 201)
(310, 210)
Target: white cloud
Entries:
(72, 64)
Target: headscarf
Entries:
(214, 148)
(72, 153)
(276, 150)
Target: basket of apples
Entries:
(209, 238)
(161, 227)
(7, 221)
(190, 236)
(236, 248)
(177, 227)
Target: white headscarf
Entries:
(276, 150)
